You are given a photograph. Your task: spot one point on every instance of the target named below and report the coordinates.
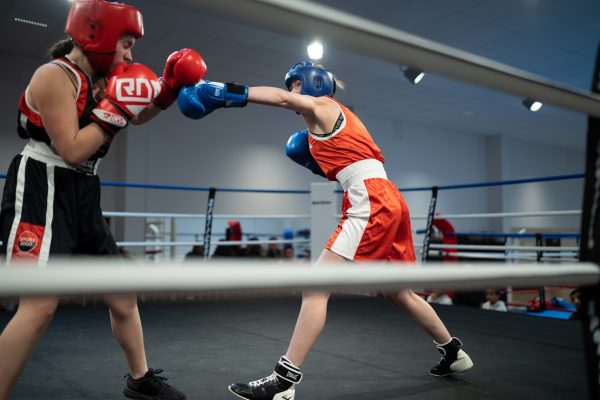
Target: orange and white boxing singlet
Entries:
(375, 222)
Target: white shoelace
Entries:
(262, 381)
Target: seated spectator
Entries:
(253, 250)
(223, 251)
(306, 255)
(493, 301)
(439, 297)
(197, 252)
(288, 252)
(576, 300)
(273, 249)
(233, 232)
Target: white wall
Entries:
(521, 159)
(244, 148)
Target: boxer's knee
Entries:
(122, 307)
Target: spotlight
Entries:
(413, 74)
(532, 105)
(315, 50)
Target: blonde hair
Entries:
(339, 84)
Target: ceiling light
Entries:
(532, 105)
(413, 74)
(315, 50)
(27, 21)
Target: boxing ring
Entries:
(196, 304)
(368, 350)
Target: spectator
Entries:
(288, 253)
(306, 255)
(576, 300)
(233, 232)
(253, 250)
(439, 297)
(223, 251)
(273, 250)
(197, 252)
(493, 301)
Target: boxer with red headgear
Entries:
(69, 114)
(96, 26)
(375, 222)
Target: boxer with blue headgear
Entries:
(316, 81)
(375, 222)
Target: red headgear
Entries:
(97, 25)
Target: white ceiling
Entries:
(556, 39)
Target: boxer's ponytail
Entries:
(61, 48)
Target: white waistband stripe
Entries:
(359, 171)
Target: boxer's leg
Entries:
(280, 385)
(453, 358)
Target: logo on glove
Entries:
(111, 118)
(137, 90)
(292, 376)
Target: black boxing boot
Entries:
(280, 385)
(151, 387)
(453, 359)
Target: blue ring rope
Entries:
(201, 189)
(498, 183)
(414, 189)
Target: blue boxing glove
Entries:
(204, 97)
(297, 149)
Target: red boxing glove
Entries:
(184, 67)
(129, 90)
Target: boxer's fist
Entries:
(298, 150)
(183, 67)
(129, 90)
(203, 98)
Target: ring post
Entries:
(430, 215)
(539, 254)
(209, 219)
(173, 237)
(590, 246)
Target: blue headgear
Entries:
(316, 81)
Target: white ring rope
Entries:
(124, 214)
(95, 276)
(214, 243)
(202, 216)
(504, 215)
(499, 256)
(500, 247)
(304, 18)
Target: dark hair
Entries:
(61, 48)
(575, 292)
